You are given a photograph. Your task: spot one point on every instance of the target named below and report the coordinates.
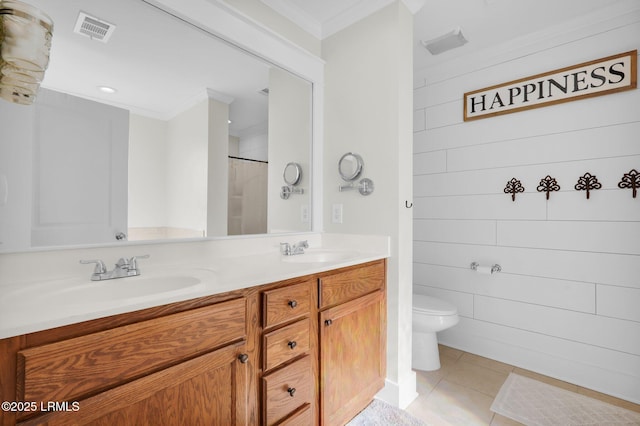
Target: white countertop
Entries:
(42, 290)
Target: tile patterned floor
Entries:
(462, 390)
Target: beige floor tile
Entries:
(462, 390)
(452, 404)
(427, 380)
(609, 399)
(498, 366)
(546, 379)
(448, 352)
(477, 377)
(499, 420)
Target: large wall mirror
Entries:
(161, 131)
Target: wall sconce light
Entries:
(25, 44)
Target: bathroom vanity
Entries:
(304, 350)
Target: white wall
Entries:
(254, 142)
(217, 168)
(187, 150)
(368, 98)
(147, 172)
(567, 300)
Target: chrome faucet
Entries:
(123, 268)
(289, 250)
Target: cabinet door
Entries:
(352, 356)
(208, 390)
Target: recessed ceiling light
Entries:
(107, 89)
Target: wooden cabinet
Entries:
(352, 341)
(306, 351)
(188, 367)
(206, 390)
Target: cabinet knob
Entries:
(292, 344)
(328, 322)
(292, 303)
(243, 358)
(291, 391)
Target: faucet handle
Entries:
(100, 266)
(122, 263)
(303, 244)
(133, 262)
(285, 248)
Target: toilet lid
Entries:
(431, 305)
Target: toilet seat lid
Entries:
(431, 305)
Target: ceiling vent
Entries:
(94, 28)
(449, 41)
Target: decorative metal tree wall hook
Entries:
(587, 183)
(548, 184)
(513, 187)
(631, 180)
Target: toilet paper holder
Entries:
(494, 269)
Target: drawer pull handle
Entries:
(291, 391)
(292, 344)
(328, 322)
(292, 303)
(243, 358)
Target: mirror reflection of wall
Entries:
(289, 127)
(184, 117)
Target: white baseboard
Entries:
(399, 394)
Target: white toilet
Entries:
(430, 315)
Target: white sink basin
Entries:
(320, 256)
(122, 288)
(130, 290)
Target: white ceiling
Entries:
(160, 65)
(485, 23)
(492, 24)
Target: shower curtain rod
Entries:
(248, 159)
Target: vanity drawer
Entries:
(79, 366)
(302, 417)
(287, 390)
(351, 284)
(285, 344)
(286, 304)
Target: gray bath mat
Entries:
(379, 413)
(534, 403)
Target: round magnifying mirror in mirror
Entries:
(350, 166)
(292, 173)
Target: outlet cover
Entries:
(336, 213)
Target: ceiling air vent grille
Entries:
(94, 28)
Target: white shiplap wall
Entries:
(567, 302)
